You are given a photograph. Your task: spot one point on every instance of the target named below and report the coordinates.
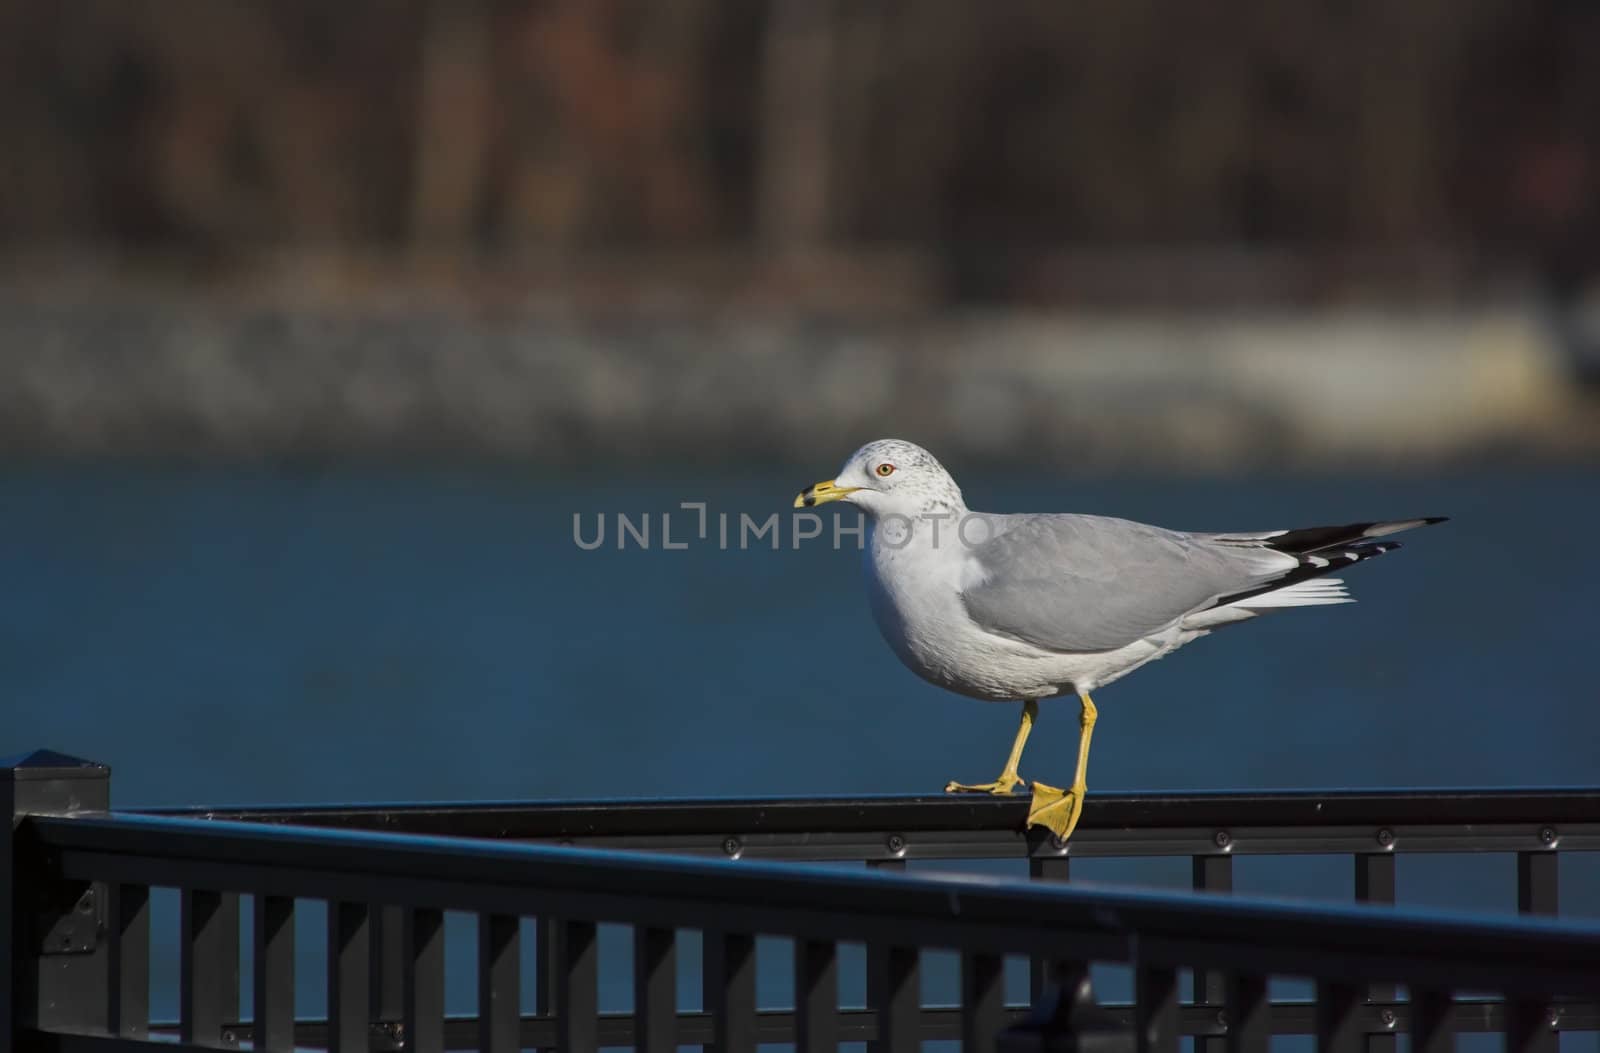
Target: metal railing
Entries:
(81, 878)
(980, 826)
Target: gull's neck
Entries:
(933, 524)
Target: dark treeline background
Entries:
(793, 124)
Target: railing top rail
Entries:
(1427, 948)
(1149, 808)
(941, 825)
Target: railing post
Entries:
(208, 966)
(273, 982)
(54, 972)
(577, 986)
(816, 996)
(128, 936)
(728, 990)
(983, 1003)
(422, 980)
(1338, 1029)
(655, 990)
(1249, 1014)
(1044, 972)
(1431, 1030)
(897, 997)
(387, 965)
(1155, 1008)
(1529, 1026)
(349, 977)
(1212, 873)
(499, 983)
(887, 990)
(1375, 884)
(547, 955)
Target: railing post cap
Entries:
(48, 764)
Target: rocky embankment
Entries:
(1200, 392)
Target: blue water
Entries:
(253, 636)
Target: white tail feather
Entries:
(1312, 593)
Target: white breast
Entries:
(914, 587)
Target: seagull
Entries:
(1033, 606)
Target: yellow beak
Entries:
(821, 493)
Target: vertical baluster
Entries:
(1212, 874)
(229, 935)
(387, 964)
(548, 953)
(878, 965)
(982, 1001)
(1538, 892)
(128, 929)
(273, 983)
(208, 965)
(1538, 886)
(349, 976)
(422, 980)
(499, 983)
(1338, 1029)
(1155, 1011)
(1431, 1028)
(1375, 877)
(1042, 972)
(655, 990)
(1375, 884)
(728, 991)
(1049, 868)
(816, 996)
(577, 998)
(1249, 1014)
(230, 932)
(899, 1003)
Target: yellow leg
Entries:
(1008, 778)
(1058, 810)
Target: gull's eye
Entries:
(885, 468)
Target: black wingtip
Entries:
(1313, 565)
(1430, 520)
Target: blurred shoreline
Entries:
(1144, 236)
(559, 364)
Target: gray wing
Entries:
(1078, 584)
